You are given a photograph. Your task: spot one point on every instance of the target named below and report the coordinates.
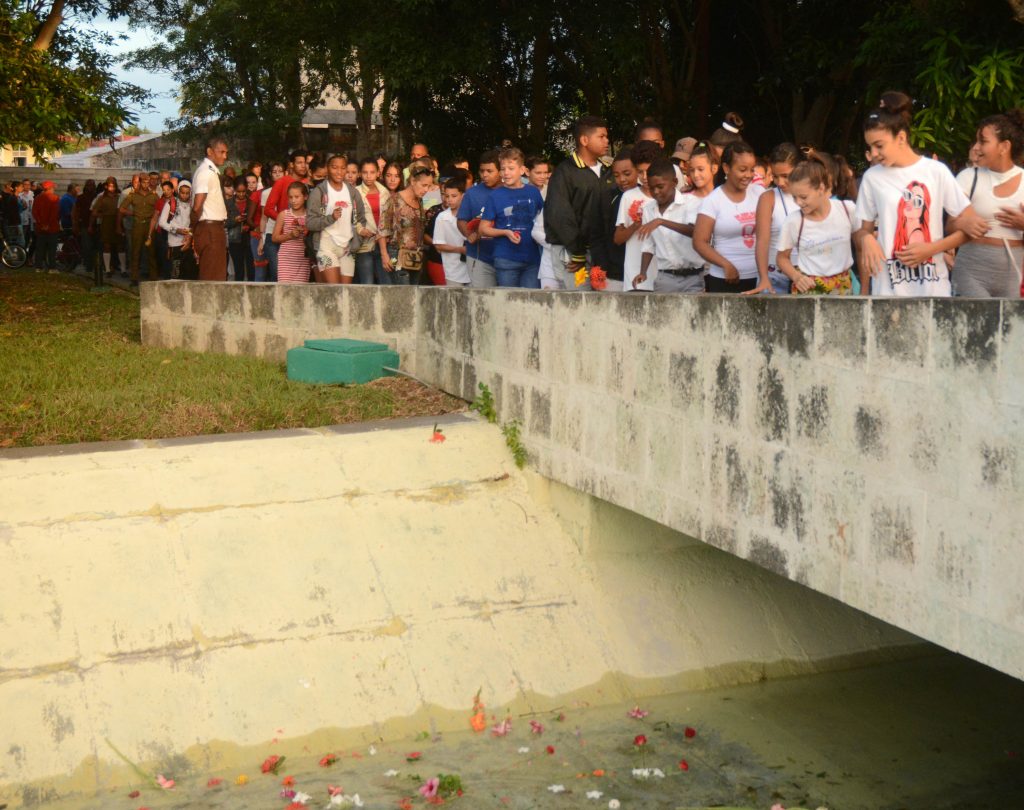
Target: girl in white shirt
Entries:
(724, 233)
(990, 266)
(904, 197)
(819, 231)
(772, 210)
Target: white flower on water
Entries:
(641, 773)
(373, 751)
(391, 773)
(613, 804)
(556, 788)
(301, 798)
(594, 794)
(524, 749)
(658, 772)
(340, 800)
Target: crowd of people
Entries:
(711, 216)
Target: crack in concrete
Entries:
(441, 493)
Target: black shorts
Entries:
(712, 284)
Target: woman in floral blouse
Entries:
(401, 229)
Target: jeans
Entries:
(781, 283)
(481, 274)
(404, 277)
(237, 251)
(517, 274)
(369, 268)
(270, 254)
(46, 250)
(259, 273)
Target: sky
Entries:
(163, 87)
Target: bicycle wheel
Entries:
(14, 256)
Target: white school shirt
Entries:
(547, 269)
(986, 204)
(670, 248)
(894, 199)
(446, 232)
(781, 210)
(207, 181)
(340, 230)
(733, 234)
(825, 245)
(631, 206)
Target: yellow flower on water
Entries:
(581, 276)
(242, 779)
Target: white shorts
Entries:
(331, 254)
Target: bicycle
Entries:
(12, 256)
(69, 253)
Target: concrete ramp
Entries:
(189, 600)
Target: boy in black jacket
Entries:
(572, 213)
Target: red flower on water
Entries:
(639, 740)
(271, 764)
(405, 804)
(413, 757)
(288, 781)
(328, 760)
(536, 728)
(690, 733)
(550, 749)
(213, 782)
(335, 790)
(134, 794)
(296, 806)
(684, 765)
(437, 436)
(598, 278)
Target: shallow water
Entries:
(938, 731)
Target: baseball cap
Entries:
(684, 148)
(48, 184)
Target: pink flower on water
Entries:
(335, 790)
(503, 728)
(166, 784)
(637, 713)
(288, 793)
(536, 728)
(429, 790)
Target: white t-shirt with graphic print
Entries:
(824, 244)
(907, 204)
(733, 235)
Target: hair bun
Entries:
(734, 120)
(897, 103)
(1016, 116)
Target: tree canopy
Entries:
(56, 79)
(462, 77)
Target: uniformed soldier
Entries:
(140, 205)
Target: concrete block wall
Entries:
(265, 320)
(870, 449)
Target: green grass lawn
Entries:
(72, 369)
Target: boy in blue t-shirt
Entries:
(508, 218)
(479, 251)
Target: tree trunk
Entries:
(702, 68)
(49, 27)
(539, 90)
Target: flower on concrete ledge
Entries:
(437, 436)
(598, 278)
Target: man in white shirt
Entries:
(209, 213)
(666, 232)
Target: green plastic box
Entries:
(340, 361)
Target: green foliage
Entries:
(67, 89)
(515, 442)
(449, 784)
(484, 404)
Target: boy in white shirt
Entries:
(629, 220)
(448, 239)
(666, 231)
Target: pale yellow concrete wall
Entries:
(187, 600)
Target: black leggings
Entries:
(712, 284)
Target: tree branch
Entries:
(49, 27)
